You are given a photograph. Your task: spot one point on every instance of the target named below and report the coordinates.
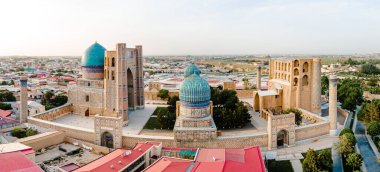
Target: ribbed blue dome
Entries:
(191, 69)
(94, 56)
(195, 91)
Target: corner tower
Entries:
(194, 125)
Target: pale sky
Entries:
(190, 27)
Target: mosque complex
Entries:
(107, 107)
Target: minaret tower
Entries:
(316, 87)
(23, 112)
(333, 104)
(258, 78)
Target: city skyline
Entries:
(54, 28)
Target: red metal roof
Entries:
(5, 113)
(168, 164)
(4, 121)
(242, 160)
(116, 159)
(214, 160)
(17, 161)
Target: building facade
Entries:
(112, 84)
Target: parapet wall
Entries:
(43, 140)
(55, 113)
(70, 131)
(312, 130)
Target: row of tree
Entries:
(345, 146)
(50, 101)
(229, 112)
(317, 161)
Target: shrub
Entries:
(18, 132)
(373, 129)
(346, 130)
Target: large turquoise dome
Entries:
(194, 91)
(94, 56)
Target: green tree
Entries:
(371, 112)
(350, 93)
(309, 164)
(5, 106)
(324, 159)
(172, 102)
(354, 160)
(345, 144)
(4, 83)
(12, 82)
(346, 130)
(30, 132)
(7, 96)
(229, 112)
(18, 132)
(373, 128)
(324, 84)
(59, 100)
(163, 94)
(298, 115)
(166, 118)
(369, 69)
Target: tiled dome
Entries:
(191, 69)
(94, 56)
(194, 91)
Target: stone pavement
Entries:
(302, 147)
(296, 164)
(138, 119)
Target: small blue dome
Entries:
(194, 91)
(94, 56)
(191, 69)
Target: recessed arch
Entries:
(282, 138)
(296, 63)
(130, 84)
(296, 72)
(305, 80)
(305, 67)
(107, 139)
(295, 81)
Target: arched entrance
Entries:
(131, 101)
(107, 140)
(87, 113)
(282, 138)
(256, 103)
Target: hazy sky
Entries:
(68, 27)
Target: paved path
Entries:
(369, 158)
(293, 152)
(138, 119)
(296, 164)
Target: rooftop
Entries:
(118, 159)
(17, 161)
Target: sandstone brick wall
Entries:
(43, 140)
(96, 148)
(243, 94)
(70, 131)
(220, 142)
(55, 113)
(312, 130)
